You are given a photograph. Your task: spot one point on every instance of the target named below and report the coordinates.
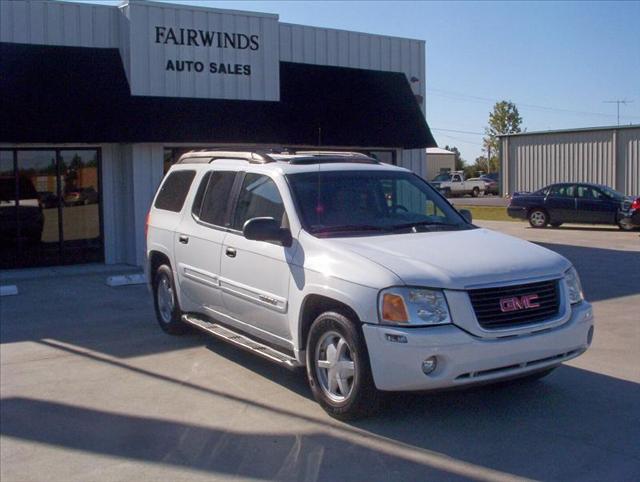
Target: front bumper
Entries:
(465, 359)
(517, 212)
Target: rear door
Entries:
(561, 203)
(594, 206)
(198, 242)
(255, 274)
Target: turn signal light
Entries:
(394, 309)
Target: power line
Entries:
(475, 98)
(459, 132)
(618, 102)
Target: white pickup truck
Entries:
(453, 183)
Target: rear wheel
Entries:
(475, 192)
(165, 302)
(338, 368)
(625, 226)
(538, 218)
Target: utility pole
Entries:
(618, 102)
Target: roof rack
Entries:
(321, 157)
(206, 156)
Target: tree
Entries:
(505, 119)
(459, 161)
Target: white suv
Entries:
(358, 270)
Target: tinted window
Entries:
(587, 192)
(259, 197)
(174, 191)
(197, 201)
(216, 199)
(565, 190)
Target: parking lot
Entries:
(92, 390)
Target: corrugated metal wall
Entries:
(437, 162)
(609, 156)
(59, 23)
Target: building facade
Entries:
(438, 161)
(602, 155)
(98, 101)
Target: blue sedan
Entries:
(573, 203)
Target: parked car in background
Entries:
(453, 183)
(490, 184)
(25, 221)
(85, 195)
(573, 203)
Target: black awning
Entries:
(55, 94)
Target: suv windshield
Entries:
(370, 202)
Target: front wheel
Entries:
(475, 192)
(165, 302)
(538, 218)
(338, 368)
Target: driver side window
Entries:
(259, 197)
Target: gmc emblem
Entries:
(515, 303)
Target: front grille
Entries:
(487, 306)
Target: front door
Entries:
(255, 274)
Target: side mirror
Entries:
(467, 215)
(266, 229)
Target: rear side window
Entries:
(174, 191)
(216, 199)
(259, 197)
(562, 191)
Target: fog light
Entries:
(429, 365)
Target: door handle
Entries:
(230, 252)
(184, 239)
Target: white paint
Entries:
(126, 279)
(8, 290)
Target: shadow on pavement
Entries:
(605, 273)
(574, 424)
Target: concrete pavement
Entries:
(91, 389)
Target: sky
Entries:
(558, 61)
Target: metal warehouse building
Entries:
(603, 155)
(98, 101)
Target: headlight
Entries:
(574, 287)
(413, 306)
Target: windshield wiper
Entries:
(350, 227)
(422, 223)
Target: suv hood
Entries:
(457, 259)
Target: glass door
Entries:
(49, 207)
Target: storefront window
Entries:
(49, 207)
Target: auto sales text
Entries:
(212, 67)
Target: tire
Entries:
(625, 227)
(165, 302)
(538, 218)
(341, 395)
(475, 192)
(556, 225)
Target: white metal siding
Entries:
(59, 23)
(437, 162)
(148, 60)
(607, 157)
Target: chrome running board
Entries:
(242, 341)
